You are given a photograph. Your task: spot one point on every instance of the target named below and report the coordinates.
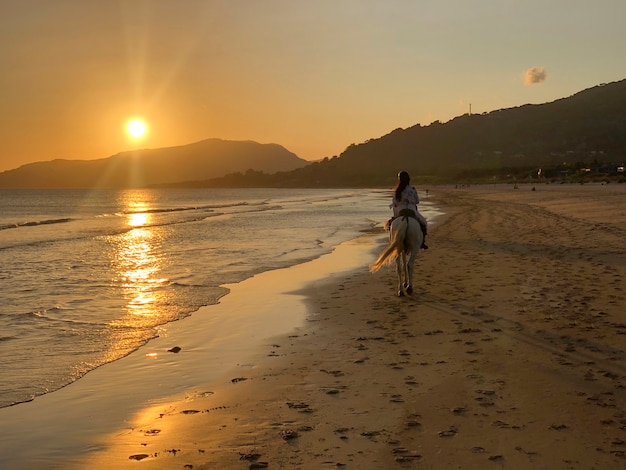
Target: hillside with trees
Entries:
(583, 132)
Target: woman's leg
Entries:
(424, 226)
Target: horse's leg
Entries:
(405, 273)
(400, 272)
(416, 242)
(410, 267)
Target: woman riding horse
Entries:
(405, 201)
(406, 234)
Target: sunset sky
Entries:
(313, 76)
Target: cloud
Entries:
(534, 75)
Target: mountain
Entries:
(569, 133)
(586, 128)
(206, 159)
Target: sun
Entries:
(136, 128)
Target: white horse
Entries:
(405, 240)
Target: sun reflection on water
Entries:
(138, 219)
(137, 262)
(140, 269)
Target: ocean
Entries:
(88, 276)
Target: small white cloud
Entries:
(534, 75)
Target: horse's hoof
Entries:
(409, 290)
(400, 293)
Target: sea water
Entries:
(86, 277)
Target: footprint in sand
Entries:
(410, 380)
(450, 432)
(558, 427)
(254, 465)
(396, 399)
(300, 406)
(289, 434)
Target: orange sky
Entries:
(313, 76)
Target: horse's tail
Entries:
(396, 245)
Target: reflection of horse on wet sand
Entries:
(405, 240)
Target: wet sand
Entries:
(510, 354)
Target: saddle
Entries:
(402, 213)
(407, 213)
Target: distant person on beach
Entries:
(405, 201)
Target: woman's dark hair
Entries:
(403, 181)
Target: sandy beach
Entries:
(510, 354)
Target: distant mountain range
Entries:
(135, 169)
(586, 128)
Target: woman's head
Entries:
(403, 182)
(403, 177)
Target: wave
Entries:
(105, 232)
(47, 315)
(202, 208)
(187, 208)
(36, 223)
(261, 207)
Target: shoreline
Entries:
(52, 429)
(509, 355)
